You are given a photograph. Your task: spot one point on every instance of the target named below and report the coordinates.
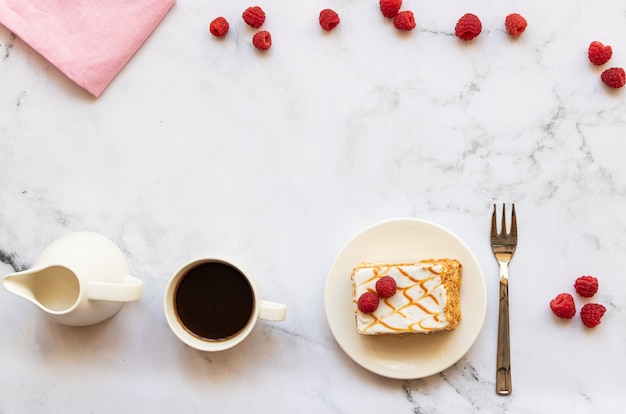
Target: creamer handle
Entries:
(127, 291)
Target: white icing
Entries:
(417, 306)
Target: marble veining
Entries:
(205, 145)
(9, 259)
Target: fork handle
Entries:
(503, 365)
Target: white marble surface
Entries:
(202, 146)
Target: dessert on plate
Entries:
(413, 297)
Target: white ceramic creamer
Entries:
(80, 279)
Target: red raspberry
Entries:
(386, 287)
(219, 27)
(390, 8)
(515, 24)
(328, 19)
(586, 286)
(368, 302)
(262, 40)
(591, 314)
(614, 77)
(468, 27)
(404, 20)
(254, 16)
(563, 306)
(598, 53)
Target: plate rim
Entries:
(481, 279)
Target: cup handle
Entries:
(127, 291)
(272, 311)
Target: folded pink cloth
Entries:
(90, 41)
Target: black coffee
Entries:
(214, 301)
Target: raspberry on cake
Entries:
(368, 302)
(427, 297)
(386, 287)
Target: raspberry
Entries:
(563, 306)
(328, 19)
(515, 24)
(368, 302)
(254, 16)
(468, 27)
(404, 20)
(219, 27)
(614, 77)
(591, 314)
(586, 286)
(386, 287)
(598, 53)
(390, 8)
(262, 40)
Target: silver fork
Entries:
(503, 245)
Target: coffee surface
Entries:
(214, 301)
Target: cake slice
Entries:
(427, 297)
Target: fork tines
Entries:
(503, 229)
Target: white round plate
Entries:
(414, 355)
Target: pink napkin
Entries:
(90, 41)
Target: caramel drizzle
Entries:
(411, 301)
(410, 328)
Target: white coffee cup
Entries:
(212, 304)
